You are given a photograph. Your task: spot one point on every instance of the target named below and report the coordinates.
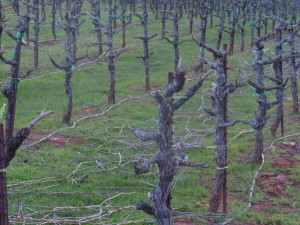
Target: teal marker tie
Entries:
(72, 66)
(19, 35)
(255, 94)
(15, 82)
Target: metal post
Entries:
(3, 190)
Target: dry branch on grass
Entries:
(81, 119)
(102, 211)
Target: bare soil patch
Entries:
(246, 223)
(276, 183)
(267, 205)
(237, 49)
(284, 162)
(184, 222)
(134, 49)
(273, 182)
(42, 43)
(48, 42)
(144, 101)
(263, 206)
(293, 119)
(87, 59)
(287, 159)
(90, 109)
(57, 141)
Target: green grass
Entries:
(89, 170)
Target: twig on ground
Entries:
(81, 119)
(242, 132)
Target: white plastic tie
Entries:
(222, 168)
(3, 170)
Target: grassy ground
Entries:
(83, 171)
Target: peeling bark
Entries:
(203, 13)
(253, 21)
(16, 6)
(221, 25)
(145, 38)
(163, 18)
(70, 29)
(107, 29)
(176, 16)
(123, 20)
(167, 159)
(53, 14)
(261, 117)
(293, 65)
(43, 11)
(234, 11)
(242, 26)
(191, 15)
(36, 29)
(35, 9)
(219, 110)
(96, 21)
(10, 89)
(277, 67)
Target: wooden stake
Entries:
(225, 119)
(3, 190)
(170, 77)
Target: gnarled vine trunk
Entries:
(167, 159)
